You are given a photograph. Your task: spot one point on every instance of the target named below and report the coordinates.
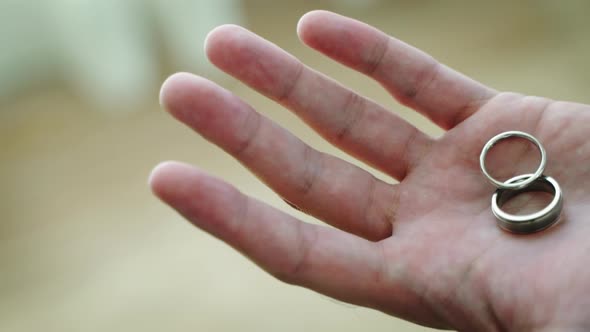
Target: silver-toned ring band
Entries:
(531, 222)
(508, 184)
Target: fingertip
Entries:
(306, 21)
(185, 96)
(173, 88)
(196, 195)
(217, 40)
(167, 177)
(310, 22)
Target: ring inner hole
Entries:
(527, 202)
(512, 156)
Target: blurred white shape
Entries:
(107, 49)
(180, 18)
(26, 54)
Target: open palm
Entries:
(426, 249)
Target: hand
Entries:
(427, 249)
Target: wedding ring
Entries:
(531, 222)
(524, 181)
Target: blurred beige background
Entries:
(84, 246)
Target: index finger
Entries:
(413, 77)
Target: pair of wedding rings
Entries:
(510, 188)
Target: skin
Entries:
(426, 249)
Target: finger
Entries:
(412, 76)
(355, 124)
(324, 259)
(324, 186)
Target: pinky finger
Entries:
(326, 260)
